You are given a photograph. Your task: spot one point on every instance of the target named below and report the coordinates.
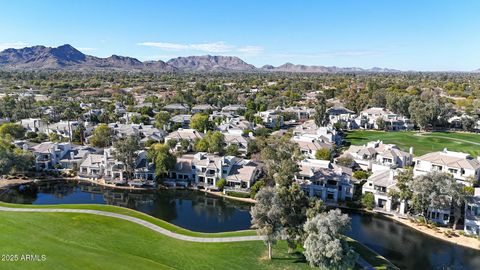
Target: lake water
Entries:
(197, 211)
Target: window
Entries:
(454, 171)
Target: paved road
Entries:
(140, 222)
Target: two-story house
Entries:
(462, 166)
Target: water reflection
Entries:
(403, 246)
(408, 248)
(191, 210)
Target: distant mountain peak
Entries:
(68, 57)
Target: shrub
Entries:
(361, 175)
(323, 154)
(256, 187)
(238, 194)
(221, 184)
(368, 201)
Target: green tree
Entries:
(162, 158)
(324, 245)
(232, 150)
(256, 187)
(266, 217)
(323, 154)
(11, 131)
(102, 136)
(201, 122)
(293, 204)
(368, 200)
(126, 151)
(321, 117)
(360, 175)
(161, 119)
(381, 123)
(433, 190)
(221, 184)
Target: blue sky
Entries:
(408, 35)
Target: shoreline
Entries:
(437, 232)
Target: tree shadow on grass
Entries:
(296, 257)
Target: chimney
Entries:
(411, 150)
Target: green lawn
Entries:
(421, 142)
(79, 241)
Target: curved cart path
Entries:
(141, 222)
(363, 264)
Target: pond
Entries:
(197, 211)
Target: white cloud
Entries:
(250, 49)
(328, 54)
(212, 47)
(14, 45)
(215, 47)
(87, 49)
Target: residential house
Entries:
(237, 123)
(205, 170)
(339, 114)
(92, 167)
(236, 137)
(380, 183)
(368, 119)
(113, 171)
(144, 132)
(329, 182)
(310, 146)
(177, 107)
(325, 134)
(48, 155)
(377, 155)
(462, 166)
(234, 108)
(271, 118)
(181, 120)
(33, 124)
(203, 108)
(472, 214)
(301, 114)
(189, 135)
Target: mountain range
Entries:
(66, 57)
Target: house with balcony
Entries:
(33, 125)
(236, 137)
(92, 167)
(472, 214)
(462, 166)
(181, 120)
(339, 114)
(236, 123)
(326, 134)
(48, 155)
(106, 166)
(368, 119)
(144, 132)
(204, 170)
(271, 118)
(301, 114)
(329, 182)
(377, 155)
(190, 135)
(309, 146)
(380, 183)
